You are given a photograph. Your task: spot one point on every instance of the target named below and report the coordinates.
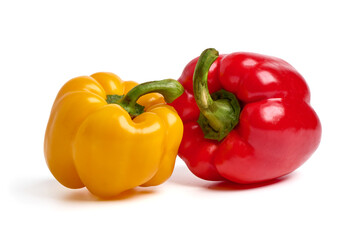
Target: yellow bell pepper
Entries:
(111, 135)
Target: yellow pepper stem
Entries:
(169, 88)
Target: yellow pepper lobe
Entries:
(68, 113)
(113, 153)
(173, 135)
(111, 83)
(82, 84)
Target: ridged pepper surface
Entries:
(112, 135)
(247, 117)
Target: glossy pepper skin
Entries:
(277, 129)
(93, 142)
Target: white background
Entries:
(45, 43)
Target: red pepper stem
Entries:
(201, 90)
(220, 110)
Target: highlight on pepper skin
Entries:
(101, 130)
(247, 117)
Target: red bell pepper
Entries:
(256, 125)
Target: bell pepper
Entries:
(111, 135)
(247, 117)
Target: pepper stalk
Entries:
(170, 89)
(220, 111)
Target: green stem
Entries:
(169, 88)
(201, 90)
(219, 111)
